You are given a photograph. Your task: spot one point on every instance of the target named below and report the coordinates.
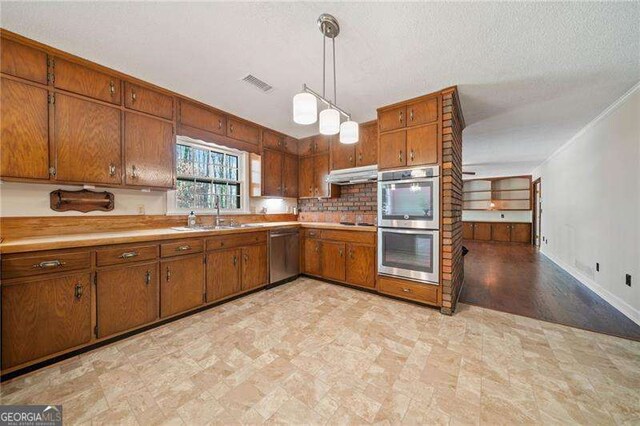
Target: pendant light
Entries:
(305, 107)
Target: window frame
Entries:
(172, 200)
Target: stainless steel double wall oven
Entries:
(409, 223)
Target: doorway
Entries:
(537, 211)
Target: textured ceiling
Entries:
(530, 74)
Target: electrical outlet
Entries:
(141, 209)
(597, 267)
(628, 280)
(502, 215)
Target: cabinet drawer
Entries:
(312, 233)
(408, 290)
(14, 266)
(178, 248)
(118, 255)
(142, 99)
(86, 81)
(236, 240)
(349, 236)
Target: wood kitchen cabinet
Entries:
(41, 317)
(279, 174)
(87, 140)
(313, 172)
(23, 61)
(243, 131)
(149, 151)
(290, 176)
(181, 284)
(521, 233)
(318, 144)
(306, 180)
(501, 232)
(223, 274)
(311, 255)
(467, 230)
(333, 260)
(343, 156)
(361, 265)
(482, 231)
(498, 231)
(367, 146)
(409, 133)
(152, 102)
(127, 297)
(272, 140)
(255, 266)
(86, 81)
(24, 134)
(202, 118)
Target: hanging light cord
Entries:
(324, 56)
(335, 97)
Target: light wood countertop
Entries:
(52, 242)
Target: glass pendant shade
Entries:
(305, 108)
(349, 132)
(329, 122)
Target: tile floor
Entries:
(314, 353)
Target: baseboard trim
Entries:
(612, 299)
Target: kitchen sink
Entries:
(213, 227)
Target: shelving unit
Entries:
(505, 193)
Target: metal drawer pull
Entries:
(340, 252)
(411, 114)
(112, 169)
(401, 116)
(168, 274)
(220, 124)
(406, 290)
(78, 291)
(235, 260)
(49, 264)
(112, 87)
(400, 156)
(129, 254)
(246, 257)
(183, 248)
(133, 96)
(147, 278)
(412, 156)
(134, 173)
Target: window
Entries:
(203, 173)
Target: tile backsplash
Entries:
(356, 203)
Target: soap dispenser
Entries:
(191, 220)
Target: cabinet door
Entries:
(333, 260)
(467, 230)
(305, 146)
(392, 119)
(321, 172)
(146, 100)
(24, 138)
(343, 156)
(312, 256)
(361, 265)
(306, 187)
(243, 131)
(501, 232)
(272, 163)
(272, 140)
(148, 151)
(290, 176)
(254, 266)
(23, 61)
(421, 112)
(422, 145)
(127, 297)
(87, 141)
(482, 231)
(367, 147)
(391, 150)
(223, 274)
(85, 81)
(291, 145)
(43, 317)
(181, 284)
(201, 118)
(321, 143)
(521, 233)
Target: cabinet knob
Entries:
(231, 127)
(112, 87)
(168, 274)
(351, 159)
(406, 290)
(133, 96)
(340, 251)
(400, 156)
(401, 116)
(78, 290)
(220, 124)
(246, 257)
(235, 260)
(134, 172)
(412, 155)
(411, 114)
(147, 278)
(112, 169)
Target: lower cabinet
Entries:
(361, 265)
(44, 316)
(255, 272)
(346, 256)
(181, 284)
(127, 297)
(409, 290)
(497, 231)
(223, 274)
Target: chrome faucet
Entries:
(217, 200)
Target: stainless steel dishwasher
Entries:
(284, 262)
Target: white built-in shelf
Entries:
(506, 193)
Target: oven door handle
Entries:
(427, 179)
(408, 231)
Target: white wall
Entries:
(28, 199)
(496, 216)
(591, 204)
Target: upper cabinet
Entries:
(279, 174)
(149, 151)
(24, 135)
(409, 133)
(202, 118)
(139, 98)
(23, 61)
(272, 140)
(318, 144)
(362, 153)
(85, 81)
(243, 131)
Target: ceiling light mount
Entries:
(305, 104)
(328, 25)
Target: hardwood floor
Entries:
(517, 279)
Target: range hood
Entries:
(354, 175)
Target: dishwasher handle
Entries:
(283, 233)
